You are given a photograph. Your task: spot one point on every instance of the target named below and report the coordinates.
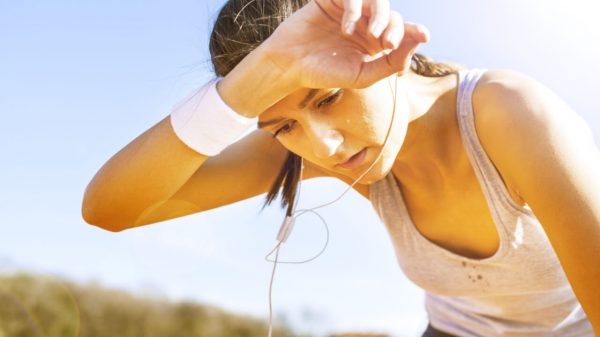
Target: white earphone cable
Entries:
(289, 221)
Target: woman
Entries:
(486, 181)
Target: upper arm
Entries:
(243, 170)
(548, 152)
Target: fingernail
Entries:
(349, 28)
(377, 29)
(424, 31)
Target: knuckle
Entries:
(381, 13)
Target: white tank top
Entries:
(521, 290)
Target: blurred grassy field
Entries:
(38, 305)
(33, 305)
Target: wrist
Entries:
(205, 123)
(255, 84)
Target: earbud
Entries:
(286, 228)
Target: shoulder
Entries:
(509, 106)
(497, 99)
(519, 120)
(512, 98)
(504, 90)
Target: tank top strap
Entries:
(490, 179)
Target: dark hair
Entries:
(240, 27)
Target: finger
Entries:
(418, 31)
(352, 12)
(393, 34)
(399, 59)
(380, 17)
(395, 62)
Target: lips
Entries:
(355, 160)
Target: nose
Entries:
(324, 140)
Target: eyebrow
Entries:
(311, 94)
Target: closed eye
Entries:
(330, 99)
(289, 127)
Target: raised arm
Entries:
(157, 177)
(146, 173)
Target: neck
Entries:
(425, 153)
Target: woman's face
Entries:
(328, 126)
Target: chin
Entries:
(381, 168)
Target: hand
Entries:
(315, 46)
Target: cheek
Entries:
(377, 115)
(376, 122)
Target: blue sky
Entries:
(81, 79)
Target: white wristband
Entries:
(206, 124)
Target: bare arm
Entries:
(548, 150)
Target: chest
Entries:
(454, 215)
(461, 223)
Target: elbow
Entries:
(103, 224)
(104, 212)
(92, 217)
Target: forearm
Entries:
(147, 171)
(256, 83)
(155, 165)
